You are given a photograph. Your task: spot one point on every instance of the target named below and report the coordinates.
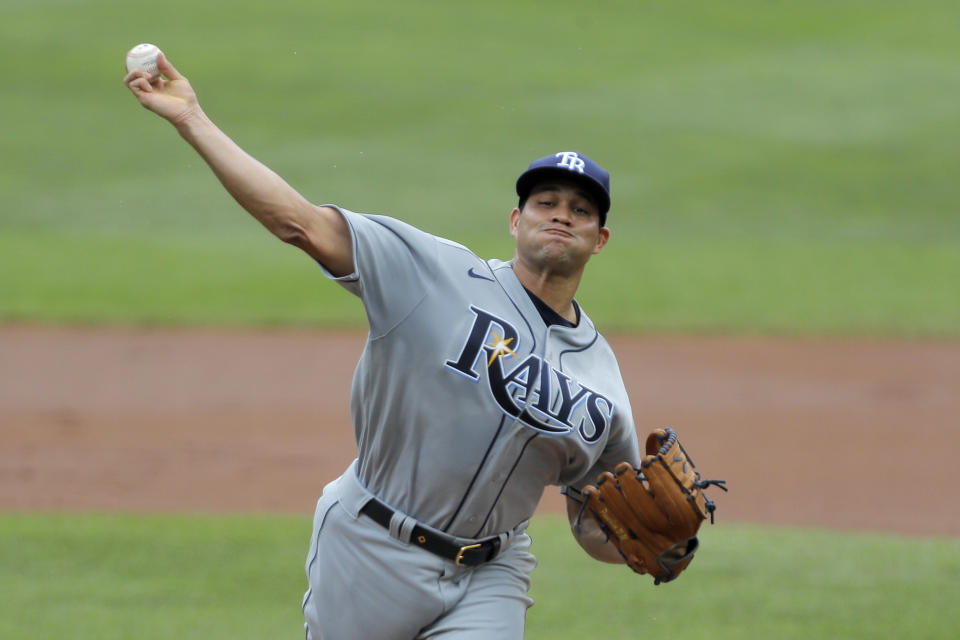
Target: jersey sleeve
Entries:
(623, 446)
(392, 261)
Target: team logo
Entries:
(570, 160)
(530, 388)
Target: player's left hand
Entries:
(652, 515)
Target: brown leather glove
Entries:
(652, 515)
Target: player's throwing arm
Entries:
(319, 231)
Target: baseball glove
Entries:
(652, 515)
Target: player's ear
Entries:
(514, 221)
(602, 238)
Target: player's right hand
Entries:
(169, 95)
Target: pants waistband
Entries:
(358, 500)
(467, 555)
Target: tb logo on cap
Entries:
(570, 160)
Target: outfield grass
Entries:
(212, 577)
(258, 281)
(779, 167)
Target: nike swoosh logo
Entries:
(480, 276)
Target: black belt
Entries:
(469, 555)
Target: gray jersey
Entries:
(465, 403)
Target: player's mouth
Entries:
(559, 231)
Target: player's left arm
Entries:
(623, 444)
(589, 535)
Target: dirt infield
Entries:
(854, 434)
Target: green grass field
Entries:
(777, 167)
(232, 577)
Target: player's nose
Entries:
(562, 213)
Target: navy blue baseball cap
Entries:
(569, 164)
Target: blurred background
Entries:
(776, 167)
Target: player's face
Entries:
(558, 227)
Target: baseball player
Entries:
(481, 382)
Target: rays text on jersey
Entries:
(532, 390)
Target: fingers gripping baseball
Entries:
(169, 94)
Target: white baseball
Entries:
(144, 56)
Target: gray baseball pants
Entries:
(370, 583)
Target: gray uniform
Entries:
(465, 406)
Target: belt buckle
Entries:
(463, 549)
